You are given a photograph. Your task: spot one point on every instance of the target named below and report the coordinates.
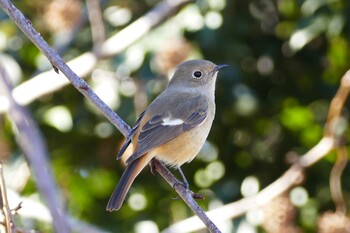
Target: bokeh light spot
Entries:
(250, 186)
(60, 118)
(137, 201)
(299, 196)
(213, 20)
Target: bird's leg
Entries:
(152, 167)
(186, 185)
(184, 180)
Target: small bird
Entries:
(175, 125)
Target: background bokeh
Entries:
(286, 59)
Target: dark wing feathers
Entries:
(195, 119)
(154, 133)
(153, 122)
(159, 136)
(130, 136)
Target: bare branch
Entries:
(33, 146)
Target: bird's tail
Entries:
(132, 170)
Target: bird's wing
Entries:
(130, 136)
(182, 115)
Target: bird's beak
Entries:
(219, 67)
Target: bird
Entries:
(174, 127)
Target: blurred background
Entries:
(286, 59)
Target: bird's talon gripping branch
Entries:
(183, 184)
(193, 194)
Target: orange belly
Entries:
(184, 148)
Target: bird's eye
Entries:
(197, 74)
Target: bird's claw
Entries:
(186, 186)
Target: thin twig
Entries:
(335, 179)
(83, 87)
(5, 203)
(17, 208)
(32, 144)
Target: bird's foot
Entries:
(185, 185)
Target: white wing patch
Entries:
(171, 121)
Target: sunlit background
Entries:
(286, 59)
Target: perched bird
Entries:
(175, 125)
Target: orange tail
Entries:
(132, 170)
